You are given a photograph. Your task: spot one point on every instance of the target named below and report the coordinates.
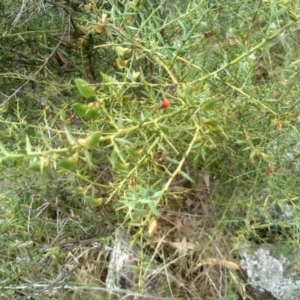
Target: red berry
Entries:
(165, 103)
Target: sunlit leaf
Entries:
(123, 52)
(87, 8)
(103, 18)
(120, 63)
(135, 75)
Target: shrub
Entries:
(144, 115)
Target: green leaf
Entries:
(42, 165)
(186, 176)
(16, 162)
(113, 157)
(87, 8)
(153, 208)
(198, 145)
(203, 153)
(120, 63)
(93, 201)
(161, 147)
(4, 107)
(136, 4)
(5, 133)
(120, 120)
(209, 104)
(211, 122)
(185, 28)
(163, 126)
(188, 90)
(91, 141)
(28, 144)
(135, 75)
(69, 135)
(278, 13)
(84, 88)
(198, 86)
(36, 166)
(88, 158)
(173, 161)
(80, 109)
(69, 163)
(92, 113)
(216, 130)
(123, 141)
(134, 154)
(123, 52)
(120, 166)
(156, 194)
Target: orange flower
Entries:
(165, 103)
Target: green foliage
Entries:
(82, 88)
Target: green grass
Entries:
(192, 184)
